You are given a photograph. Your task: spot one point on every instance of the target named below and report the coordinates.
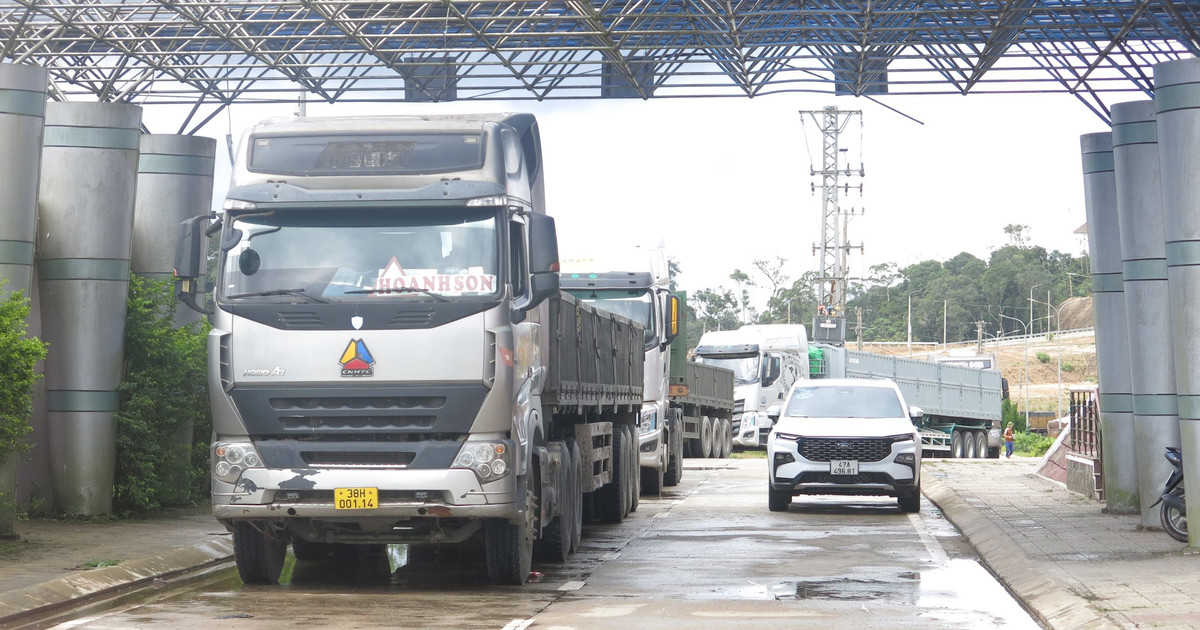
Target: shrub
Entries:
(1042, 357)
(19, 355)
(1068, 367)
(1033, 444)
(164, 405)
(1009, 413)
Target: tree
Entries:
(743, 282)
(19, 356)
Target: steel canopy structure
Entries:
(212, 53)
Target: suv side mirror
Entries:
(915, 413)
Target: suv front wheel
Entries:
(778, 501)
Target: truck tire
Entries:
(674, 472)
(306, 551)
(610, 499)
(509, 546)
(778, 500)
(577, 492)
(259, 556)
(635, 476)
(555, 544)
(981, 445)
(956, 444)
(968, 440)
(706, 437)
(726, 438)
(652, 480)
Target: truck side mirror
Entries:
(770, 367)
(543, 258)
(672, 323)
(191, 256)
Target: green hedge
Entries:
(164, 405)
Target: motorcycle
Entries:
(1173, 514)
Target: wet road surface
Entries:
(706, 554)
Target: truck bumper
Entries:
(747, 432)
(650, 450)
(309, 493)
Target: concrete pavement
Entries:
(1071, 564)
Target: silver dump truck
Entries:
(391, 359)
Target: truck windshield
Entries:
(634, 305)
(844, 402)
(745, 368)
(368, 255)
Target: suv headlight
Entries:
(489, 460)
(903, 437)
(231, 459)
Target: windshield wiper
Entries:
(398, 290)
(268, 292)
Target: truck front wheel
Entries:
(509, 546)
(611, 500)
(674, 470)
(259, 555)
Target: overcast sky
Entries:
(723, 182)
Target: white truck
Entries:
(766, 360)
(391, 358)
(681, 407)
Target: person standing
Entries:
(1008, 440)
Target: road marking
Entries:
(518, 624)
(573, 585)
(931, 543)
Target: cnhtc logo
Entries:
(357, 360)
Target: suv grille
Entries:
(861, 449)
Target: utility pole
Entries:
(834, 247)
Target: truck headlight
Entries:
(231, 459)
(649, 420)
(750, 420)
(489, 460)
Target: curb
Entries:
(1054, 603)
(48, 597)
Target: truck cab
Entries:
(766, 361)
(634, 283)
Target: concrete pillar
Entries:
(22, 110)
(175, 182)
(1177, 104)
(1112, 333)
(89, 176)
(1147, 303)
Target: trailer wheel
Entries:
(969, 445)
(726, 438)
(555, 544)
(635, 466)
(956, 444)
(509, 546)
(675, 456)
(981, 447)
(259, 555)
(610, 499)
(577, 492)
(706, 437)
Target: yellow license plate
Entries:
(356, 498)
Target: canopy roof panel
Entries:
(211, 53)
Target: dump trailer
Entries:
(391, 358)
(961, 405)
(701, 398)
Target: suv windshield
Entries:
(844, 402)
(360, 255)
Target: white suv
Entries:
(845, 437)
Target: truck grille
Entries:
(292, 423)
(861, 449)
(338, 458)
(359, 402)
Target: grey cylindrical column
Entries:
(22, 110)
(1147, 303)
(1177, 103)
(175, 182)
(1112, 334)
(89, 175)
